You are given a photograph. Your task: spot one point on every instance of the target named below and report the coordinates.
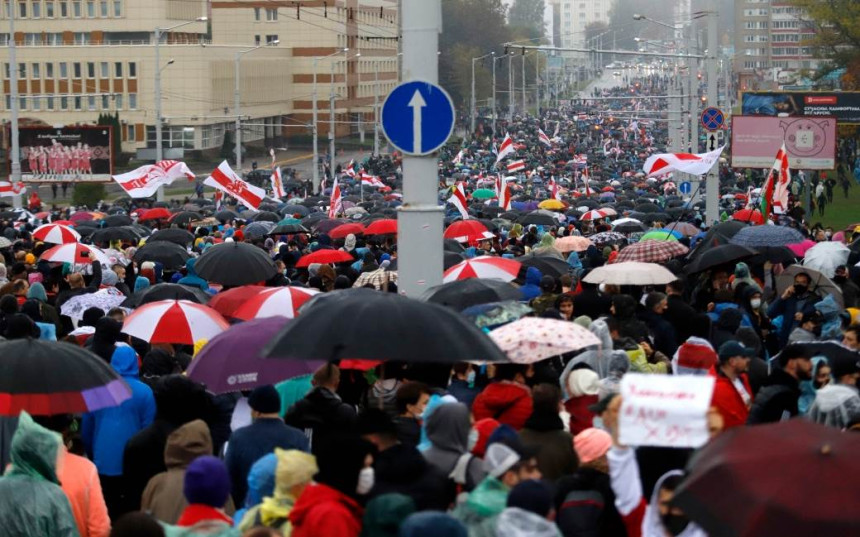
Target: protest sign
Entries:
(659, 410)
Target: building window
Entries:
(76, 9)
(271, 14)
(118, 101)
(117, 68)
(103, 8)
(64, 103)
(64, 10)
(36, 71)
(91, 102)
(132, 70)
(82, 38)
(49, 70)
(22, 103)
(104, 70)
(105, 102)
(129, 133)
(76, 70)
(256, 13)
(91, 70)
(22, 71)
(270, 39)
(36, 11)
(22, 10)
(37, 103)
(91, 9)
(49, 103)
(78, 103)
(257, 40)
(49, 9)
(64, 70)
(132, 101)
(117, 8)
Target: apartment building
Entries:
(79, 58)
(570, 17)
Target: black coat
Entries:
(402, 469)
(665, 338)
(321, 415)
(144, 457)
(777, 400)
(591, 303)
(680, 315)
(585, 506)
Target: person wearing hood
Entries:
(598, 359)
(206, 487)
(163, 497)
(777, 399)
(544, 432)
(322, 414)
(850, 290)
(105, 432)
(696, 356)
(384, 515)
(432, 524)
(808, 388)
(531, 289)
(665, 338)
(48, 312)
(449, 432)
(582, 386)
(795, 301)
(742, 276)
(104, 341)
(294, 470)
(838, 403)
(678, 311)
(330, 506)
(31, 500)
(191, 278)
(831, 323)
(807, 329)
(732, 395)
(624, 312)
(752, 302)
(725, 326)
(529, 512)
(591, 302)
(547, 298)
(506, 399)
(261, 484)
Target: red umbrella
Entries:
(174, 321)
(470, 231)
(341, 231)
(154, 214)
(56, 234)
(275, 301)
(226, 303)
(324, 257)
(359, 365)
(607, 189)
(386, 226)
(81, 216)
(749, 215)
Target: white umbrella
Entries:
(532, 339)
(631, 273)
(104, 299)
(826, 256)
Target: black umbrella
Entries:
(452, 245)
(171, 255)
(384, 326)
(184, 217)
(226, 215)
(289, 229)
(174, 235)
(117, 220)
(538, 219)
(723, 254)
(548, 266)
(461, 294)
(775, 254)
(141, 230)
(123, 233)
(647, 208)
(166, 291)
(265, 216)
(235, 263)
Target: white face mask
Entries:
(470, 377)
(473, 440)
(755, 303)
(366, 480)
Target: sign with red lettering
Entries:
(661, 410)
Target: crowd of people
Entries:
(404, 449)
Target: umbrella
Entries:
(688, 230)
(116, 220)
(820, 283)
(659, 235)
(174, 235)
(548, 266)
(170, 255)
(537, 219)
(56, 234)
(496, 314)
(826, 256)
(723, 254)
(387, 226)
(532, 339)
(630, 273)
(174, 321)
(776, 254)
(470, 231)
(606, 237)
(166, 291)
(385, 326)
(770, 488)
(184, 218)
(552, 205)
(628, 225)
(104, 299)
(115, 256)
(324, 257)
(800, 248)
(749, 215)
(75, 253)
(235, 263)
(326, 226)
(289, 229)
(483, 194)
(259, 229)
(47, 378)
(225, 215)
(497, 268)
(753, 236)
(265, 216)
(275, 301)
(230, 362)
(464, 293)
(572, 243)
(154, 214)
(341, 231)
(651, 251)
(227, 302)
(80, 216)
(598, 214)
(108, 234)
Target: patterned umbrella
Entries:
(497, 268)
(274, 301)
(755, 236)
(573, 243)
(606, 237)
(532, 339)
(56, 234)
(651, 251)
(104, 299)
(174, 321)
(496, 314)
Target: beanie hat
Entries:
(207, 482)
(30, 259)
(547, 283)
(91, 316)
(531, 495)
(265, 399)
(583, 382)
(294, 468)
(591, 444)
(694, 357)
(499, 459)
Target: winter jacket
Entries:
(585, 505)
(463, 391)
(197, 513)
(554, 445)
(106, 431)
(320, 415)
(801, 335)
(322, 510)
(31, 500)
(662, 332)
(516, 522)
(591, 303)
(478, 513)
(191, 278)
(831, 324)
(531, 289)
(250, 443)
(401, 469)
(680, 315)
(581, 418)
(625, 313)
(80, 481)
(728, 400)
(786, 308)
(408, 430)
(508, 402)
(776, 400)
(448, 432)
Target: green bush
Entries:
(88, 194)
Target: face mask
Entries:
(473, 440)
(366, 480)
(799, 289)
(470, 377)
(755, 303)
(828, 234)
(674, 524)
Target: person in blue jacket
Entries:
(191, 278)
(106, 431)
(531, 289)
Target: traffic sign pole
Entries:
(712, 195)
(420, 220)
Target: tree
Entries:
(227, 147)
(837, 37)
(528, 15)
(88, 194)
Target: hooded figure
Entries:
(808, 388)
(742, 275)
(448, 429)
(516, 522)
(108, 332)
(292, 472)
(624, 307)
(531, 289)
(31, 500)
(831, 324)
(191, 278)
(598, 360)
(432, 524)
(261, 483)
(384, 515)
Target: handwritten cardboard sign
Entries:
(661, 410)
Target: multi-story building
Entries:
(79, 58)
(571, 17)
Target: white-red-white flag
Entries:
(371, 181)
(459, 157)
(585, 179)
(11, 189)
(277, 184)
(505, 196)
(350, 169)
(144, 181)
(543, 138)
(554, 191)
(776, 186)
(693, 163)
(505, 149)
(516, 166)
(226, 180)
(335, 204)
(458, 200)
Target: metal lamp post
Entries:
(237, 104)
(316, 170)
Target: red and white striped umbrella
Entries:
(56, 234)
(598, 214)
(174, 321)
(76, 254)
(488, 267)
(277, 301)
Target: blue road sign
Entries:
(685, 187)
(418, 117)
(713, 118)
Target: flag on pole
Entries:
(557, 128)
(272, 153)
(144, 181)
(585, 180)
(458, 200)
(696, 164)
(516, 166)
(11, 189)
(226, 180)
(277, 184)
(506, 195)
(543, 138)
(371, 180)
(774, 195)
(335, 204)
(505, 149)
(553, 189)
(350, 169)
(498, 185)
(459, 157)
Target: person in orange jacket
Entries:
(732, 393)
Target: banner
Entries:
(842, 105)
(70, 154)
(662, 410)
(810, 142)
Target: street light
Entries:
(494, 90)
(159, 150)
(316, 171)
(332, 124)
(473, 107)
(237, 104)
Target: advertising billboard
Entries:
(842, 105)
(73, 154)
(810, 141)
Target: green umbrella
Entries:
(483, 194)
(289, 221)
(659, 235)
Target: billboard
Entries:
(810, 141)
(842, 105)
(73, 154)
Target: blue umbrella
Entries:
(759, 236)
(257, 230)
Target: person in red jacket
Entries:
(507, 399)
(331, 505)
(732, 393)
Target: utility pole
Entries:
(524, 85)
(315, 169)
(494, 96)
(15, 161)
(159, 150)
(510, 87)
(331, 123)
(376, 110)
(712, 196)
(537, 83)
(420, 220)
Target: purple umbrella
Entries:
(230, 362)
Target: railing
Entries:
(138, 43)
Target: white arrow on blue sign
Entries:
(685, 187)
(418, 117)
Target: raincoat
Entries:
(292, 468)
(481, 509)
(599, 359)
(836, 405)
(261, 483)
(807, 388)
(80, 481)
(31, 500)
(531, 289)
(448, 431)
(385, 514)
(508, 402)
(323, 510)
(831, 324)
(191, 278)
(516, 522)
